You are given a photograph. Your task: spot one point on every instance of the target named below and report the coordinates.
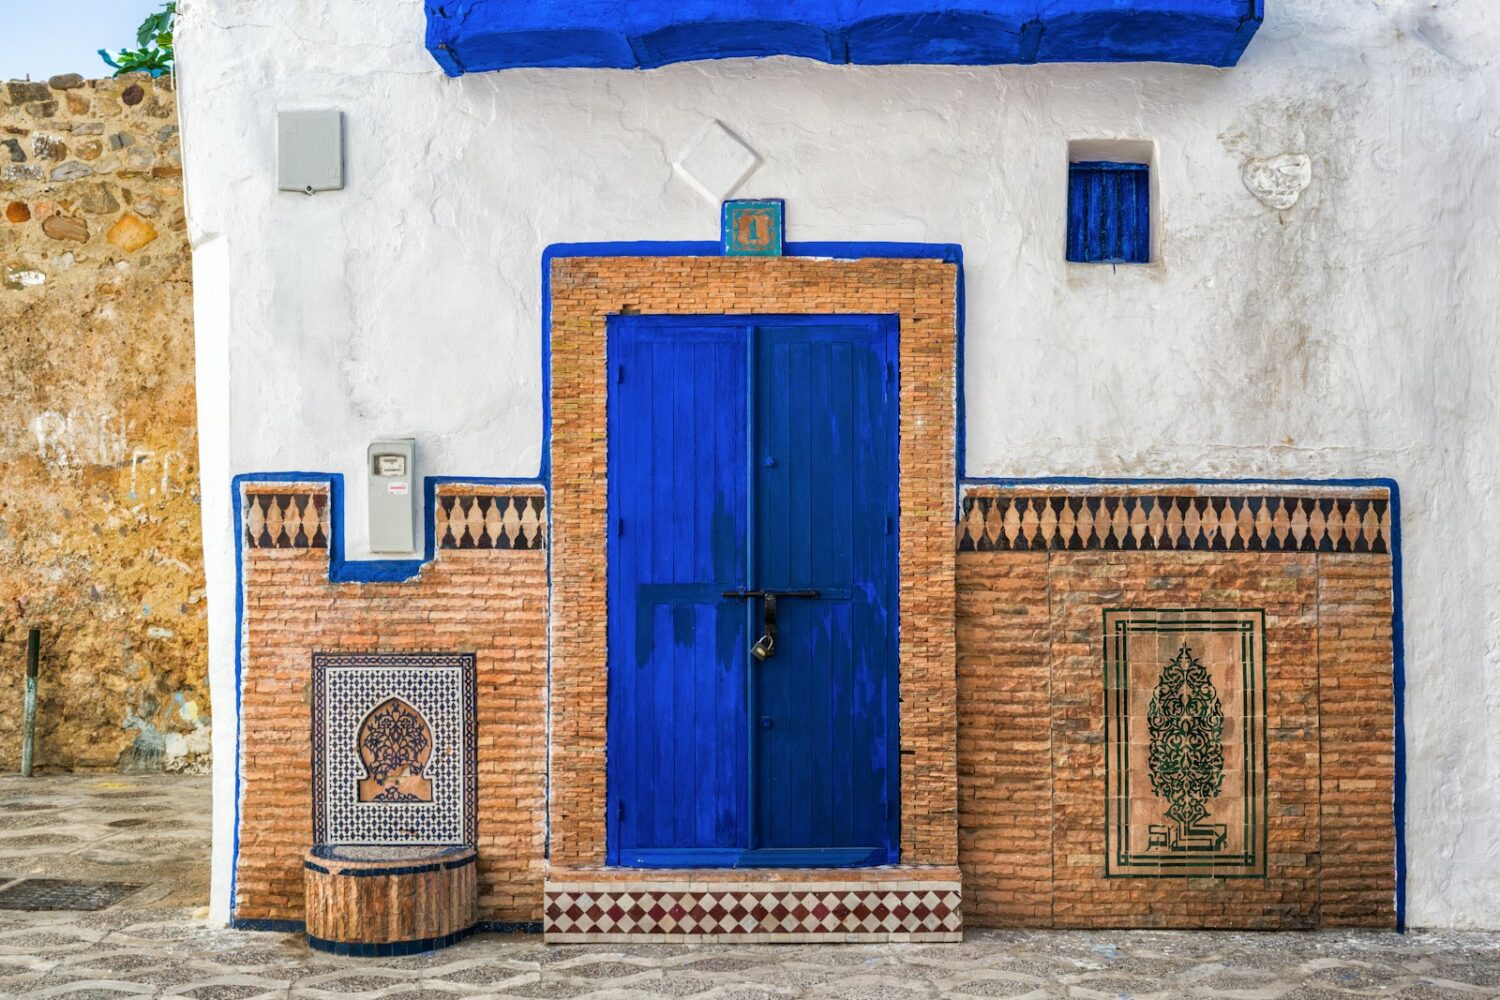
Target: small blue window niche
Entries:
(1109, 212)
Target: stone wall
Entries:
(99, 519)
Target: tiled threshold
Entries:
(914, 903)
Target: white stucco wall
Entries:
(1352, 335)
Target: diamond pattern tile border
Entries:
(491, 521)
(286, 520)
(465, 516)
(752, 912)
(1003, 520)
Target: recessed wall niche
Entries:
(1104, 221)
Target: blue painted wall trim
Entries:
(470, 36)
(1398, 625)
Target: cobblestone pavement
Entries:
(154, 943)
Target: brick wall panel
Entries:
(1329, 734)
(493, 603)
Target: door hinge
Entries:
(619, 809)
(890, 524)
(619, 374)
(890, 372)
(889, 809)
(619, 526)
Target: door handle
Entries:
(765, 646)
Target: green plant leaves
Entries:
(154, 37)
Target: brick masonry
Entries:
(1032, 746)
(488, 601)
(585, 292)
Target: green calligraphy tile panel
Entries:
(1185, 743)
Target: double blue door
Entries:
(752, 492)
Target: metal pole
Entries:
(28, 725)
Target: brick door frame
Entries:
(583, 286)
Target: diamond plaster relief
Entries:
(716, 162)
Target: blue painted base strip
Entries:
(510, 927)
(298, 927)
(271, 926)
(389, 949)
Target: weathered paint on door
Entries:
(752, 454)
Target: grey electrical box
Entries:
(309, 151)
(392, 497)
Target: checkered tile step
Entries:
(753, 912)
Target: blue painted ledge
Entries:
(471, 36)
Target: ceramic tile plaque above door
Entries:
(1185, 731)
(752, 575)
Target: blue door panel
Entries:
(825, 495)
(677, 497)
(752, 454)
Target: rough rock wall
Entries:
(99, 525)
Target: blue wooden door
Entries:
(749, 456)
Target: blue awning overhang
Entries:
(471, 36)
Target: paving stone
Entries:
(481, 975)
(994, 988)
(607, 970)
(144, 949)
(223, 991)
(547, 990)
(676, 986)
(357, 983)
